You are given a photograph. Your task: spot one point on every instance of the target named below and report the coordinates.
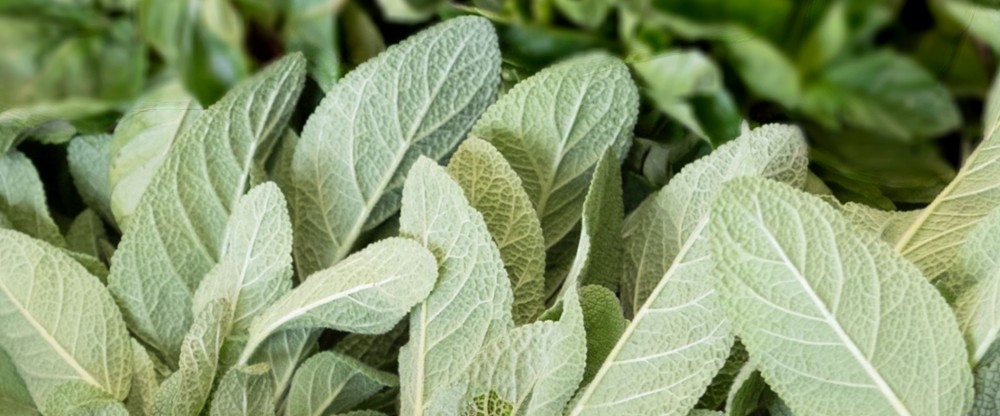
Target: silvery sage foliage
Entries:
(394, 257)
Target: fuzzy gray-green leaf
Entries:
(419, 97)
(470, 304)
(330, 383)
(494, 189)
(176, 233)
(76, 398)
(89, 160)
(86, 233)
(14, 395)
(22, 199)
(835, 320)
(244, 391)
(145, 382)
(978, 307)
(553, 128)
(599, 254)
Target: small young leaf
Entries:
(471, 303)
(86, 234)
(747, 390)
(256, 264)
(553, 128)
(22, 199)
(604, 322)
(717, 392)
(176, 233)
(244, 391)
(330, 382)
(368, 292)
(834, 319)
(494, 189)
(599, 254)
(420, 97)
(83, 339)
(89, 160)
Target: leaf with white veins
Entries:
(22, 199)
(330, 382)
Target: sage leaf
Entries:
(368, 292)
(987, 384)
(330, 383)
(22, 199)
(553, 128)
(469, 307)
(14, 395)
(599, 254)
(145, 382)
(283, 352)
(16, 124)
(75, 398)
(84, 339)
(89, 160)
(677, 325)
(976, 308)
(494, 189)
(604, 322)
(176, 233)
(86, 234)
(834, 319)
(244, 391)
(419, 97)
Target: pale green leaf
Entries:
(673, 76)
(705, 412)
(888, 225)
(408, 11)
(368, 292)
(982, 21)
(84, 339)
(678, 338)
(379, 351)
(553, 128)
(986, 401)
(85, 234)
(587, 13)
(283, 352)
(89, 160)
(330, 382)
(764, 68)
(244, 391)
(419, 97)
(14, 396)
(4, 222)
(256, 264)
(141, 141)
(310, 26)
(363, 413)
(77, 398)
(471, 303)
(145, 382)
(834, 319)
(22, 199)
(186, 391)
(933, 239)
(604, 322)
(16, 124)
(494, 189)
(176, 233)
(978, 307)
(92, 264)
(599, 254)
(747, 390)
(827, 40)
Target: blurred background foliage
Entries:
(889, 91)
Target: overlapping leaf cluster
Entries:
(339, 268)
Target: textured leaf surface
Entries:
(932, 241)
(256, 264)
(494, 189)
(244, 391)
(420, 97)
(76, 398)
(86, 234)
(717, 392)
(141, 141)
(470, 304)
(18, 123)
(889, 225)
(553, 128)
(978, 307)
(368, 292)
(14, 395)
(145, 382)
(186, 391)
(604, 323)
(986, 401)
(836, 321)
(83, 339)
(176, 233)
(89, 160)
(330, 382)
(22, 199)
(283, 352)
(678, 337)
(599, 253)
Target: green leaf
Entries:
(368, 292)
(330, 382)
(145, 382)
(470, 305)
(976, 308)
(677, 326)
(933, 239)
(186, 391)
(408, 11)
(310, 26)
(141, 141)
(827, 40)
(202, 39)
(83, 339)
(671, 77)
(77, 398)
(986, 401)
(22, 199)
(361, 32)
(604, 322)
(888, 225)
(587, 13)
(283, 352)
(89, 160)
(553, 128)
(983, 22)
(493, 189)
(86, 233)
(378, 351)
(14, 396)
(176, 233)
(718, 391)
(16, 124)
(244, 391)
(599, 254)
(766, 71)
(747, 391)
(420, 97)
(256, 264)
(834, 319)
(883, 92)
